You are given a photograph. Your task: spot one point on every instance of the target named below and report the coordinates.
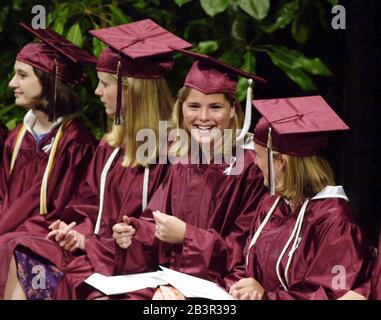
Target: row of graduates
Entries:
(274, 229)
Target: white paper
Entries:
(124, 283)
(193, 287)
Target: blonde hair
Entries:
(146, 102)
(304, 177)
(179, 149)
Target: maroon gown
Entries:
(22, 187)
(376, 276)
(123, 196)
(218, 210)
(330, 245)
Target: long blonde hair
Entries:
(304, 177)
(146, 102)
(178, 148)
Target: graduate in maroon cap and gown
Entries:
(376, 276)
(304, 243)
(203, 210)
(120, 179)
(45, 156)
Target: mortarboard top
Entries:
(210, 75)
(61, 44)
(299, 126)
(140, 39)
(143, 47)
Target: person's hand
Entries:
(66, 237)
(247, 289)
(167, 293)
(169, 228)
(123, 233)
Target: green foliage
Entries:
(213, 7)
(258, 9)
(245, 33)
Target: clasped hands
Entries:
(66, 237)
(168, 229)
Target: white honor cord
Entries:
(248, 108)
(49, 165)
(294, 235)
(145, 188)
(102, 188)
(260, 228)
(17, 148)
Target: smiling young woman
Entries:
(202, 210)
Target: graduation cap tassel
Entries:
(53, 99)
(270, 164)
(247, 121)
(119, 94)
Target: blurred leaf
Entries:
(59, 26)
(241, 89)
(333, 2)
(295, 74)
(118, 15)
(98, 47)
(249, 62)
(314, 66)
(283, 17)
(3, 17)
(232, 56)
(75, 35)
(300, 30)
(207, 46)
(18, 5)
(258, 9)
(182, 2)
(11, 124)
(239, 30)
(213, 7)
(60, 18)
(7, 109)
(140, 4)
(296, 59)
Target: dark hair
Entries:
(67, 100)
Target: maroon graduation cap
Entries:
(57, 56)
(210, 75)
(295, 126)
(139, 49)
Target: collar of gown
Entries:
(30, 120)
(331, 192)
